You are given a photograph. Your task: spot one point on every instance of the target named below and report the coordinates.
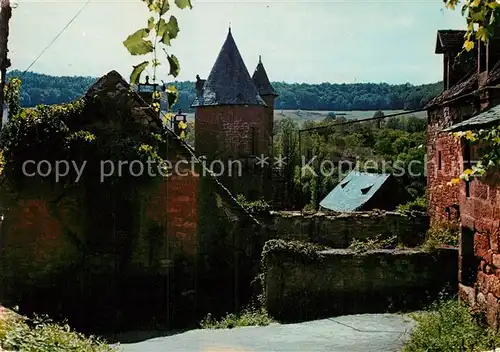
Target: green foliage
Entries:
(252, 316)
(481, 17)
(308, 252)
(419, 204)
(254, 207)
(446, 326)
(54, 133)
(374, 243)
(145, 40)
(441, 233)
(43, 89)
(392, 147)
(12, 94)
(488, 143)
(42, 334)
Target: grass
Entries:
(41, 334)
(252, 316)
(448, 325)
(441, 233)
(374, 243)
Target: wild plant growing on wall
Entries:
(148, 41)
(489, 140)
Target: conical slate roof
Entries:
(261, 81)
(229, 82)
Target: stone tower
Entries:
(266, 91)
(231, 117)
(232, 120)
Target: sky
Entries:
(300, 41)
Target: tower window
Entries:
(467, 189)
(440, 160)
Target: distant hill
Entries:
(44, 89)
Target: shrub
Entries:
(252, 316)
(446, 326)
(42, 334)
(442, 233)
(309, 208)
(418, 204)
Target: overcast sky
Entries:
(313, 42)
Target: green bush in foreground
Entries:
(446, 326)
(248, 317)
(40, 335)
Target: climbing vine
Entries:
(12, 93)
(488, 141)
(481, 15)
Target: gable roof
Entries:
(467, 85)
(229, 82)
(355, 190)
(487, 118)
(261, 81)
(449, 40)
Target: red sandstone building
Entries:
(470, 100)
(234, 119)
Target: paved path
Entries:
(354, 333)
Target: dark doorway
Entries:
(469, 262)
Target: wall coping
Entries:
(334, 215)
(410, 251)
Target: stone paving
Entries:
(354, 333)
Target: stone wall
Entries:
(128, 255)
(343, 282)
(477, 206)
(339, 230)
(447, 148)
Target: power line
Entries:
(56, 37)
(362, 120)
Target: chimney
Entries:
(145, 90)
(199, 86)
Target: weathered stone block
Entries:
(481, 245)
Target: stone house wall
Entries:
(476, 204)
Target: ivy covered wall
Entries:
(141, 251)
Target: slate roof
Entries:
(229, 82)
(355, 190)
(261, 81)
(449, 39)
(467, 85)
(484, 119)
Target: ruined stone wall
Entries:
(342, 282)
(339, 230)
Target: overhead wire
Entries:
(56, 37)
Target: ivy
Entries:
(488, 141)
(304, 251)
